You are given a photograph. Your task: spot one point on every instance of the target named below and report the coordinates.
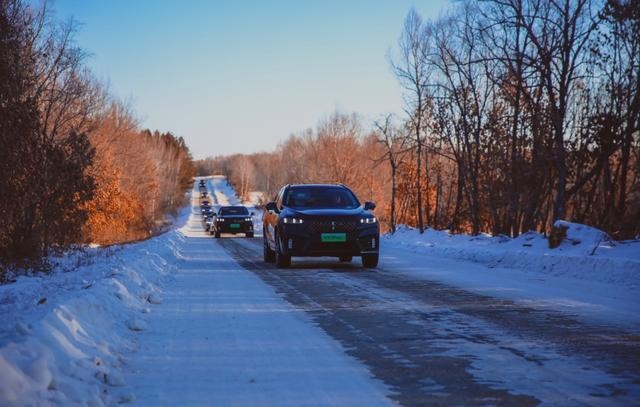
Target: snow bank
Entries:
(63, 335)
(586, 254)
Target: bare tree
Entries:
(412, 68)
(559, 32)
(394, 141)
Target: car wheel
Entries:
(346, 259)
(217, 234)
(249, 234)
(283, 261)
(370, 260)
(268, 254)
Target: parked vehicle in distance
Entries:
(318, 220)
(232, 219)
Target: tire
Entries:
(249, 234)
(268, 254)
(217, 235)
(370, 260)
(283, 261)
(346, 259)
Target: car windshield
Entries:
(234, 210)
(320, 197)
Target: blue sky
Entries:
(240, 76)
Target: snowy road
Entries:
(233, 330)
(223, 337)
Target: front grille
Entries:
(316, 226)
(332, 247)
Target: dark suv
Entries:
(319, 220)
(232, 219)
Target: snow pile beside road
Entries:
(586, 254)
(63, 335)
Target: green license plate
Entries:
(234, 226)
(333, 237)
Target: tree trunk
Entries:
(393, 198)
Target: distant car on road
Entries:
(320, 220)
(208, 221)
(207, 211)
(232, 219)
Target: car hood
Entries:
(328, 212)
(234, 216)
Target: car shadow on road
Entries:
(249, 248)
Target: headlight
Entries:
(248, 219)
(368, 220)
(295, 221)
(220, 219)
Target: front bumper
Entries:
(227, 227)
(306, 240)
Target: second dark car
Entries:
(232, 219)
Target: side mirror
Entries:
(251, 213)
(369, 206)
(271, 206)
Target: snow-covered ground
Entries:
(63, 335)
(170, 321)
(588, 275)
